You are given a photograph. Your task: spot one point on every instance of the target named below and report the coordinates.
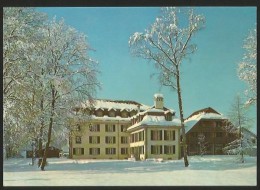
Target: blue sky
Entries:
(209, 77)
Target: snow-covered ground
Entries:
(207, 170)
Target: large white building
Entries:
(121, 129)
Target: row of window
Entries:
(112, 113)
(156, 135)
(108, 140)
(96, 151)
(108, 128)
(158, 149)
(155, 149)
(209, 134)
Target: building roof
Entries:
(117, 105)
(153, 120)
(201, 114)
(205, 110)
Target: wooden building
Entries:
(52, 153)
(212, 126)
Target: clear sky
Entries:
(209, 78)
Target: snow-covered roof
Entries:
(106, 118)
(158, 95)
(118, 104)
(151, 120)
(191, 121)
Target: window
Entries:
(110, 128)
(77, 127)
(169, 135)
(110, 140)
(94, 128)
(156, 135)
(94, 151)
(124, 114)
(168, 117)
(78, 151)
(94, 139)
(169, 149)
(110, 150)
(141, 136)
(156, 149)
(124, 140)
(219, 134)
(141, 149)
(112, 113)
(78, 140)
(124, 150)
(123, 128)
(194, 134)
(99, 113)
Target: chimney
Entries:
(158, 101)
(138, 108)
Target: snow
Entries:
(122, 105)
(152, 120)
(206, 170)
(158, 95)
(190, 122)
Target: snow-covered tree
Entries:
(202, 144)
(70, 75)
(20, 34)
(238, 119)
(167, 43)
(247, 67)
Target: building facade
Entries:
(121, 129)
(207, 128)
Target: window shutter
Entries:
(173, 149)
(114, 139)
(90, 151)
(160, 135)
(98, 139)
(74, 151)
(106, 139)
(106, 128)
(173, 135)
(90, 139)
(82, 151)
(151, 135)
(114, 128)
(161, 148)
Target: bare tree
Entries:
(167, 43)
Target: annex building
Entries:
(117, 129)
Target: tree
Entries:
(247, 67)
(167, 43)
(69, 75)
(238, 119)
(20, 34)
(202, 144)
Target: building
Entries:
(155, 133)
(210, 125)
(118, 129)
(53, 152)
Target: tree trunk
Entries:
(43, 164)
(41, 132)
(186, 163)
